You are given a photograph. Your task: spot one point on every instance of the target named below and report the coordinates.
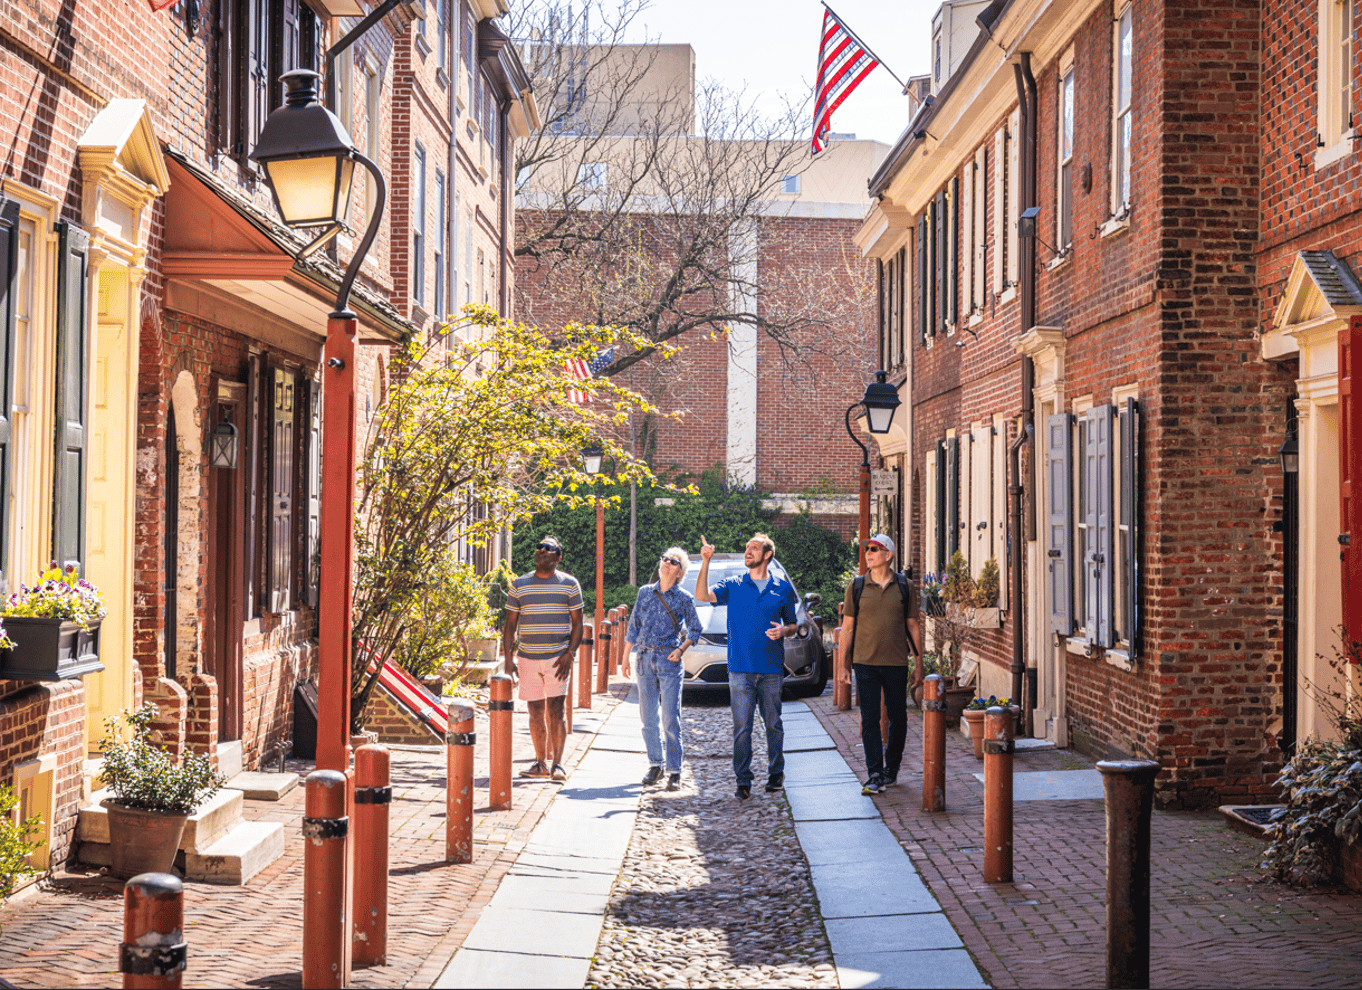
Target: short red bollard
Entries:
(933, 745)
(373, 798)
(616, 634)
(998, 749)
(584, 672)
(499, 711)
(604, 644)
(459, 741)
(326, 881)
(623, 640)
(153, 953)
(1128, 786)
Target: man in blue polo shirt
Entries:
(761, 612)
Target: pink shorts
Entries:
(538, 681)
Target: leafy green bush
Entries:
(15, 842)
(498, 581)
(1323, 783)
(143, 776)
(452, 607)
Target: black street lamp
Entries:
(879, 402)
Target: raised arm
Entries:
(702, 592)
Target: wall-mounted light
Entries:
(222, 443)
(1290, 454)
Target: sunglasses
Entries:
(549, 547)
(875, 546)
(670, 560)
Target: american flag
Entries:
(580, 369)
(159, 5)
(843, 61)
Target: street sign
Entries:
(884, 481)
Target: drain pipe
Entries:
(1026, 266)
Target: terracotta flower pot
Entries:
(142, 841)
(975, 718)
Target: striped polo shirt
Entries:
(545, 606)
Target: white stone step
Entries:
(260, 786)
(237, 856)
(214, 819)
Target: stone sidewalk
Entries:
(65, 933)
(1215, 920)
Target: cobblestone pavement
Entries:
(714, 891)
(66, 933)
(1215, 920)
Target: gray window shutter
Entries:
(252, 449)
(1101, 526)
(923, 317)
(881, 285)
(1060, 523)
(9, 269)
(952, 261)
(1130, 511)
(73, 339)
(952, 496)
(281, 491)
(255, 82)
(1087, 506)
(940, 480)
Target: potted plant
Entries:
(153, 796)
(974, 717)
(932, 603)
(51, 630)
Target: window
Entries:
(345, 92)
(441, 32)
(938, 274)
(979, 177)
(418, 228)
(1093, 515)
(943, 503)
(1065, 156)
(482, 277)
(1000, 158)
(1337, 53)
(438, 258)
(592, 175)
(260, 41)
(790, 185)
(1011, 207)
(892, 310)
(373, 118)
(1121, 115)
(468, 258)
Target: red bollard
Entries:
(1128, 786)
(326, 881)
(152, 953)
(933, 745)
(373, 797)
(604, 645)
(998, 749)
(499, 711)
(459, 742)
(584, 672)
(623, 638)
(616, 634)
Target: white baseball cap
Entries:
(881, 540)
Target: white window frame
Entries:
(418, 227)
(1066, 91)
(373, 109)
(592, 176)
(1335, 92)
(789, 186)
(1122, 112)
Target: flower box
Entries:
(49, 649)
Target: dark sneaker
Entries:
(535, 769)
(653, 775)
(744, 792)
(775, 782)
(673, 782)
(889, 778)
(875, 785)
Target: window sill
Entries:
(1119, 659)
(1060, 260)
(1115, 657)
(418, 315)
(1007, 295)
(442, 78)
(422, 45)
(976, 318)
(1324, 157)
(1116, 225)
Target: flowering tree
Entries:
(480, 429)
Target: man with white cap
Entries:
(880, 626)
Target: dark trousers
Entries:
(892, 683)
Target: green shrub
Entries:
(15, 842)
(986, 590)
(498, 581)
(142, 775)
(452, 607)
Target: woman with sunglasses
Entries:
(663, 624)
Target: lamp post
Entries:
(879, 402)
(309, 162)
(594, 455)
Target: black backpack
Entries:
(901, 579)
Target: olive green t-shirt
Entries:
(881, 637)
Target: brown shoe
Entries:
(535, 770)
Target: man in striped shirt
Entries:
(544, 611)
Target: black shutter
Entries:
(281, 479)
(73, 339)
(883, 336)
(940, 482)
(255, 83)
(952, 252)
(254, 461)
(952, 496)
(923, 319)
(229, 77)
(1059, 528)
(901, 304)
(1130, 511)
(9, 268)
(938, 261)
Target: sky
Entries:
(771, 46)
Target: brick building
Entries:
(151, 294)
(746, 407)
(1109, 364)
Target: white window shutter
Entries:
(1130, 500)
(931, 509)
(980, 224)
(965, 543)
(1103, 506)
(999, 221)
(981, 498)
(998, 532)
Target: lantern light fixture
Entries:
(1290, 455)
(594, 455)
(880, 401)
(222, 445)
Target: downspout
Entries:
(1026, 266)
(504, 133)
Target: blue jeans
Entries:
(659, 685)
(746, 692)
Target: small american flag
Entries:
(843, 61)
(159, 5)
(580, 369)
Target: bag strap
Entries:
(676, 626)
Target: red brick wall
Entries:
(394, 724)
(38, 719)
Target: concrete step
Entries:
(215, 818)
(237, 856)
(260, 786)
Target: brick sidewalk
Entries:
(67, 933)
(1215, 920)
